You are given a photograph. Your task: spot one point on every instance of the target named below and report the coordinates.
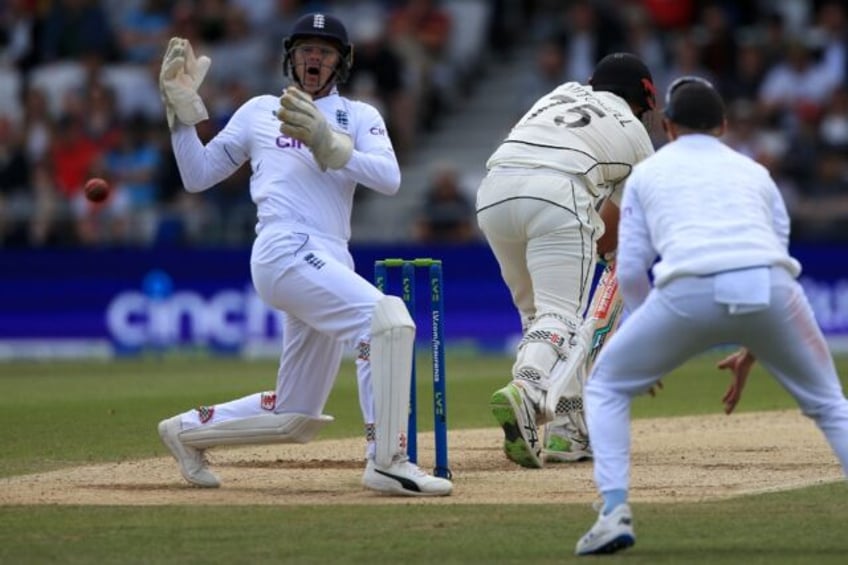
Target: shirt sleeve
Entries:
(780, 217)
(202, 167)
(373, 163)
(635, 253)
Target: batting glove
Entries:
(301, 119)
(179, 79)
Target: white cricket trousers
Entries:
(542, 228)
(681, 320)
(325, 307)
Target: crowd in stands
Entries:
(79, 95)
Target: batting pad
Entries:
(392, 338)
(267, 428)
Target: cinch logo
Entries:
(158, 314)
(377, 131)
(284, 142)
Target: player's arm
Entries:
(635, 253)
(374, 163)
(608, 242)
(180, 77)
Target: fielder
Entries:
(719, 226)
(551, 193)
(308, 150)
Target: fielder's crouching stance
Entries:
(308, 150)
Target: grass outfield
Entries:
(54, 415)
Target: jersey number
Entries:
(584, 111)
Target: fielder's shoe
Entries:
(516, 414)
(192, 464)
(565, 444)
(610, 533)
(403, 478)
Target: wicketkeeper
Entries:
(308, 150)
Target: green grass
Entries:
(65, 414)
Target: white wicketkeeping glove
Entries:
(304, 121)
(179, 79)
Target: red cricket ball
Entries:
(96, 189)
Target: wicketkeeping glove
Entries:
(304, 121)
(179, 79)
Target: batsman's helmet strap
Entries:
(627, 76)
(324, 26)
(693, 102)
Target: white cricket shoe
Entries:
(516, 413)
(564, 443)
(610, 533)
(192, 464)
(403, 478)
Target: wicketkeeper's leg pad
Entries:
(392, 339)
(266, 428)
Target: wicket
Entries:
(437, 346)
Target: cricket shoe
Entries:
(516, 414)
(193, 466)
(564, 443)
(403, 478)
(612, 532)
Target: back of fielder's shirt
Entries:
(578, 131)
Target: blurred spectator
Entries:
(420, 31)
(833, 128)
(642, 38)
(587, 32)
(822, 213)
(15, 197)
(717, 41)
(18, 24)
(132, 166)
(795, 85)
(832, 26)
(73, 28)
(143, 29)
(38, 125)
(237, 54)
(751, 68)
(447, 214)
(547, 73)
(380, 76)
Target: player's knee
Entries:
(390, 313)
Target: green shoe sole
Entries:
(515, 447)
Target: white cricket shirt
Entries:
(576, 130)
(287, 186)
(703, 209)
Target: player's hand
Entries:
(301, 119)
(655, 388)
(179, 80)
(739, 363)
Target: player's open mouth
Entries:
(315, 71)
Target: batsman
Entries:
(548, 208)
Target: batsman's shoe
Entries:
(610, 533)
(192, 464)
(564, 443)
(403, 478)
(516, 414)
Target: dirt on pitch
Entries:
(687, 458)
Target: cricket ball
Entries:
(96, 189)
